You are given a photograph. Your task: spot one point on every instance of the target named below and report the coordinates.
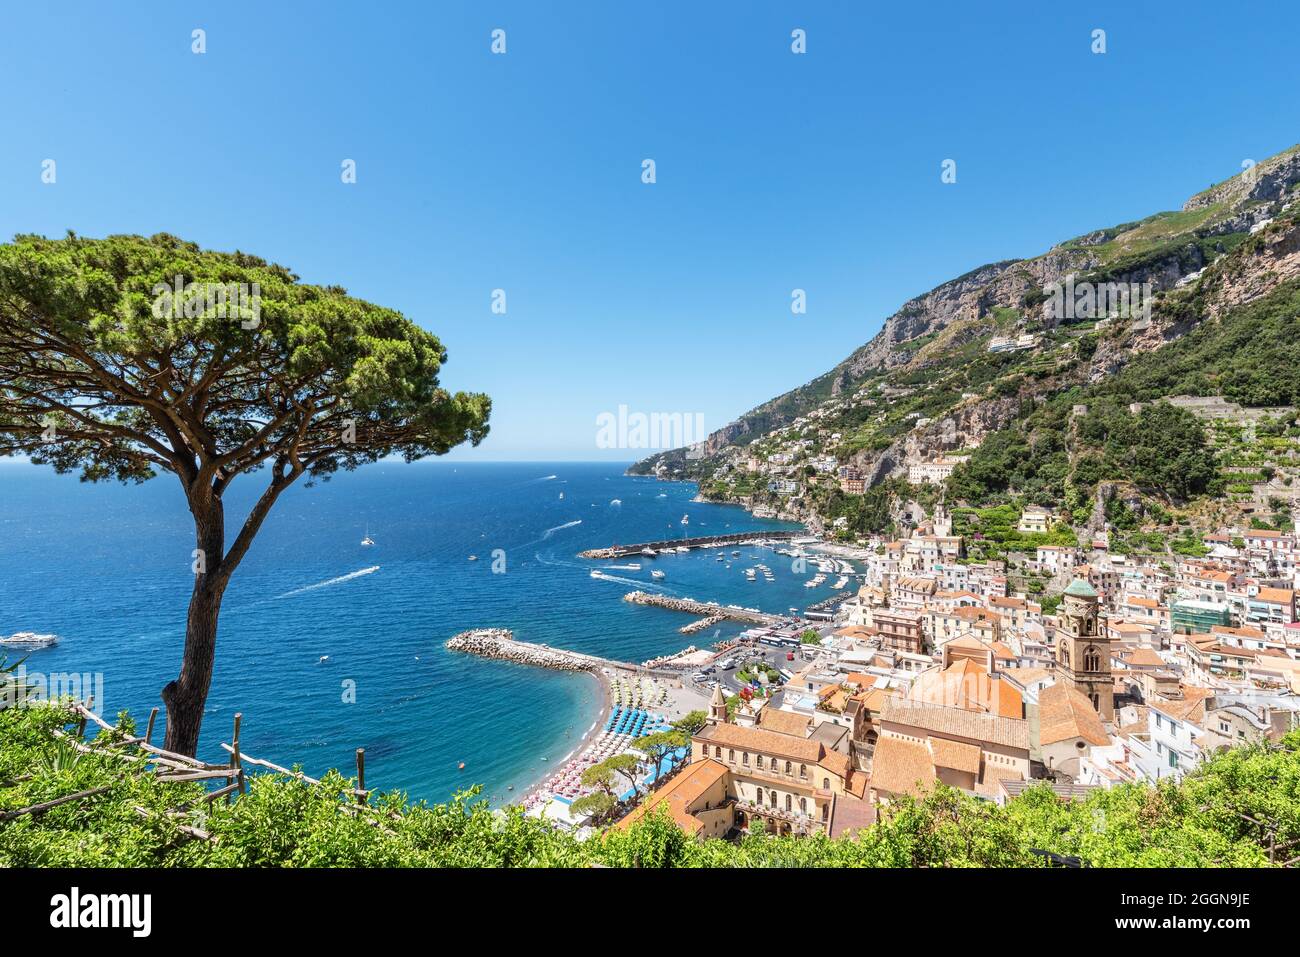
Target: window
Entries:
(803, 771)
(788, 801)
(803, 805)
(787, 767)
(717, 752)
(731, 755)
(771, 798)
(826, 784)
(745, 758)
(758, 761)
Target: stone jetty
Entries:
(702, 541)
(498, 643)
(700, 608)
(700, 625)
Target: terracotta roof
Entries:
(901, 767)
(1278, 596)
(958, 722)
(1065, 714)
(955, 755)
(837, 763)
(1144, 657)
(679, 793)
(783, 722)
(849, 815)
(758, 739)
(967, 684)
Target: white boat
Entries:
(649, 552)
(28, 639)
(367, 540)
(682, 548)
(751, 574)
(615, 501)
(561, 496)
(657, 574)
(596, 574)
(473, 558)
(686, 520)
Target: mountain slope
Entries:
(940, 375)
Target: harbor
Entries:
(648, 549)
(702, 609)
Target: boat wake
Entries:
(333, 581)
(550, 531)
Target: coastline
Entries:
(606, 706)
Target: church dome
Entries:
(1081, 589)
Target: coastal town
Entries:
(933, 668)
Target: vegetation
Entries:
(1226, 814)
(124, 357)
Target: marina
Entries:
(649, 549)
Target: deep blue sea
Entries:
(107, 568)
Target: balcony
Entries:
(799, 822)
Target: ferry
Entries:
(28, 640)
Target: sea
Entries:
(326, 645)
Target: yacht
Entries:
(367, 540)
(28, 639)
(648, 552)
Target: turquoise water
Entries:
(107, 568)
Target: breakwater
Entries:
(705, 541)
(700, 625)
(701, 608)
(498, 643)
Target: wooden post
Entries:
(235, 761)
(361, 774)
(148, 734)
(81, 725)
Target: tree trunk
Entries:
(186, 696)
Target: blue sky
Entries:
(522, 172)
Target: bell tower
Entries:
(717, 707)
(1082, 653)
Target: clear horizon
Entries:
(522, 171)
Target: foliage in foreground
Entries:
(1225, 815)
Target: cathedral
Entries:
(1082, 654)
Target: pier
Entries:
(705, 541)
(704, 609)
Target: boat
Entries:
(473, 558)
(615, 501)
(657, 574)
(561, 496)
(648, 552)
(596, 573)
(28, 639)
(367, 540)
(751, 574)
(682, 548)
(686, 520)
(736, 553)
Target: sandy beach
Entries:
(670, 698)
